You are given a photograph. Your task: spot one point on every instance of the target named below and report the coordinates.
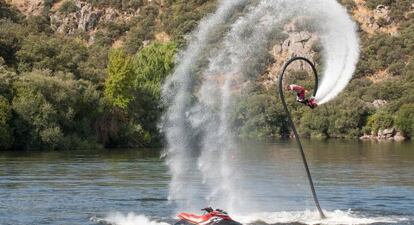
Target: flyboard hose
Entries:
(282, 98)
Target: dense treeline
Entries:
(58, 92)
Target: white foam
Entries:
(336, 217)
(128, 219)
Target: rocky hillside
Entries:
(82, 72)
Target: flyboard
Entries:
(292, 125)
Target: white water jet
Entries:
(128, 219)
(226, 52)
(335, 217)
(177, 95)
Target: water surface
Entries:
(372, 182)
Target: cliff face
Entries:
(82, 18)
(297, 42)
(28, 7)
(86, 18)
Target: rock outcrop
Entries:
(87, 18)
(387, 134)
(298, 43)
(28, 7)
(374, 21)
(378, 103)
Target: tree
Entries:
(152, 65)
(53, 110)
(119, 84)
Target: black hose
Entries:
(282, 98)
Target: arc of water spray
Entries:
(302, 153)
(229, 49)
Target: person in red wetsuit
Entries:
(300, 95)
(300, 92)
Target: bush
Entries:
(6, 138)
(68, 6)
(349, 4)
(55, 54)
(405, 119)
(379, 120)
(119, 4)
(10, 13)
(396, 68)
(50, 107)
(260, 116)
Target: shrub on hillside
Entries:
(68, 6)
(380, 120)
(405, 119)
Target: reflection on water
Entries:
(374, 180)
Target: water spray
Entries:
(229, 50)
(302, 153)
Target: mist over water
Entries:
(226, 53)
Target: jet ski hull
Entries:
(220, 222)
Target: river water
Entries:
(357, 183)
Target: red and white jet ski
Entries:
(210, 217)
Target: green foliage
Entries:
(94, 68)
(68, 6)
(55, 54)
(47, 5)
(119, 84)
(115, 29)
(8, 12)
(6, 83)
(372, 4)
(260, 116)
(142, 29)
(38, 24)
(120, 4)
(380, 120)
(181, 17)
(59, 93)
(46, 117)
(405, 119)
(152, 65)
(398, 7)
(11, 36)
(6, 138)
(349, 4)
(342, 118)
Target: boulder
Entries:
(378, 103)
(399, 137)
(388, 133)
(379, 135)
(365, 137)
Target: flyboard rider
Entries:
(300, 95)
